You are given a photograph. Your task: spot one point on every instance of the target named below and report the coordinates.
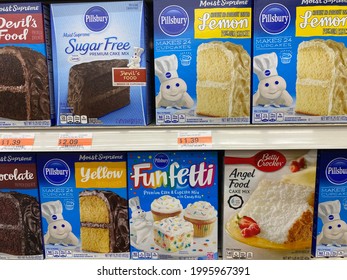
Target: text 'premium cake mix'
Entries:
(202, 61)
(173, 205)
(299, 63)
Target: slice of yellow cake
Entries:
(223, 80)
(321, 78)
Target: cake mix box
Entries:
(101, 58)
(268, 204)
(299, 53)
(202, 61)
(20, 220)
(84, 205)
(330, 223)
(173, 205)
(25, 65)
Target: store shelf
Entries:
(223, 137)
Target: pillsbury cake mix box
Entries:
(299, 58)
(101, 58)
(330, 228)
(202, 61)
(26, 89)
(20, 219)
(268, 204)
(84, 205)
(173, 205)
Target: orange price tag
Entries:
(195, 139)
(72, 141)
(16, 142)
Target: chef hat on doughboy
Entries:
(52, 211)
(329, 211)
(265, 65)
(166, 67)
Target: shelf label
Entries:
(16, 141)
(194, 139)
(75, 141)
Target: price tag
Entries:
(16, 141)
(75, 141)
(194, 139)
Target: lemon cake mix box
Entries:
(173, 205)
(330, 223)
(268, 204)
(299, 58)
(202, 61)
(84, 205)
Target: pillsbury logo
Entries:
(331, 217)
(54, 217)
(96, 19)
(56, 172)
(168, 75)
(267, 72)
(274, 18)
(161, 161)
(173, 20)
(336, 171)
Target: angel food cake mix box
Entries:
(84, 205)
(101, 57)
(202, 61)
(173, 205)
(330, 228)
(268, 204)
(299, 61)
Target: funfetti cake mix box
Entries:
(26, 89)
(202, 61)
(20, 219)
(173, 205)
(330, 223)
(299, 72)
(101, 58)
(84, 205)
(268, 204)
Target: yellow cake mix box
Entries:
(268, 204)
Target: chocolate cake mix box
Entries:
(173, 205)
(102, 67)
(84, 205)
(268, 204)
(202, 61)
(26, 91)
(299, 53)
(330, 221)
(20, 219)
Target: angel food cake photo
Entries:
(268, 204)
(173, 205)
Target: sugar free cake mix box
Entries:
(84, 205)
(173, 205)
(202, 61)
(330, 223)
(102, 74)
(25, 65)
(299, 62)
(20, 220)
(268, 204)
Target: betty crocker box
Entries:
(268, 204)
(173, 205)
(299, 58)
(202, 61)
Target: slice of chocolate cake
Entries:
(104, 222)
(24, 89)
(91, 91)
(20, 224)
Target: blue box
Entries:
(101, 58)
(84, 205)
(298, 51)
(173, 205)
(202, 61)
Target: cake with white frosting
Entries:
(321, 78)
(203, 217)
(223, 80)
(165, 206)
(173, 234)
